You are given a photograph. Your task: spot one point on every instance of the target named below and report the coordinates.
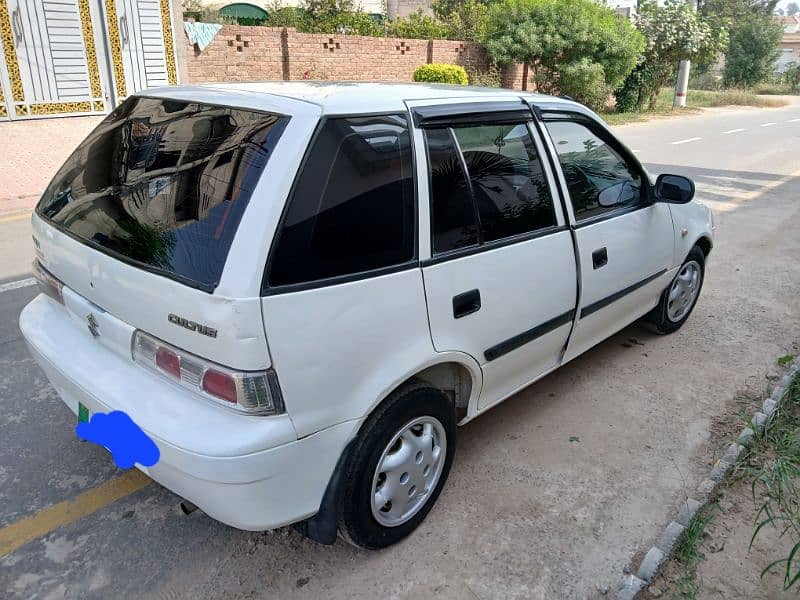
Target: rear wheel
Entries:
(679, 299)
(397, 468)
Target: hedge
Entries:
(441, 74)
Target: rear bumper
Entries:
(267, 484)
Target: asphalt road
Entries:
(550, 494)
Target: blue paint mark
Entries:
(117, 432)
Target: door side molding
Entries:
(528, 336)
(594, 307)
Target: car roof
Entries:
(340, 97)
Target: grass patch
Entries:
(688, 552)
(696, 100)
(774, 471)
(786, 359)
(775, 89)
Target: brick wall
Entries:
(241, 53)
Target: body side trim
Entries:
(528, 336)
(594, 307)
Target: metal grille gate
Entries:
(69, 57)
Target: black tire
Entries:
(357, 525)
(658, 317)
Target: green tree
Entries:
(279, 15)
(674, 32)
(731, 10)
(467, 21)
(792, 8)
(324, 16)
(754, 48)
(577, 47)
(444, 8)
(418, 25)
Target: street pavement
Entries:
(550, 494)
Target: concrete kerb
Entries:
(632, 585)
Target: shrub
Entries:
(585, 80)
(441, 74)
(465, 19)
(418, 26)
(489, 77)
(564, 36)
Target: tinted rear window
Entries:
(352, 210)
(163, 184)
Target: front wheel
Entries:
(397, 468)
(679, 299)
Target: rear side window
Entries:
(454, 223)
(352, 209)
(163, 184)
(487, 184)
(508, 180)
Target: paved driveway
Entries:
(551, 492)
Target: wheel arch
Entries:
(457, 374)
(705, 244)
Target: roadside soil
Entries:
(728, 567)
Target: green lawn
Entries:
(696, 100)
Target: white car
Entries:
(298, 290)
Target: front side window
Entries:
(487, 184)
(598, 178)
(352, 209)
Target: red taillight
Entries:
(169, 362)
(250, 392)
(220, 385)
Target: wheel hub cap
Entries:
(408, 471)
(683, 292)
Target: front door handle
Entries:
(600, 258)
(466, 303)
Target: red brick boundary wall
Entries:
(240, 53)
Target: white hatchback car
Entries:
(298, 290)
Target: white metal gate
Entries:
(67, 57)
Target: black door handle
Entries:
(466, 303)
(600, 258)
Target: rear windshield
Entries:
(163, 184)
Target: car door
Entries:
(500, 279)
(624, 239)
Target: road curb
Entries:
(632, 585)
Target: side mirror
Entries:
(674, 189)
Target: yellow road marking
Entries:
(15, 217)
(25, 530)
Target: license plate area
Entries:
(83, 413)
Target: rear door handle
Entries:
(600, 257)
(466, 303)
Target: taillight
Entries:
(169, 362)
(47, 283)
(220, 384)
(251, 392)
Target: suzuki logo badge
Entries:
(94, 328)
